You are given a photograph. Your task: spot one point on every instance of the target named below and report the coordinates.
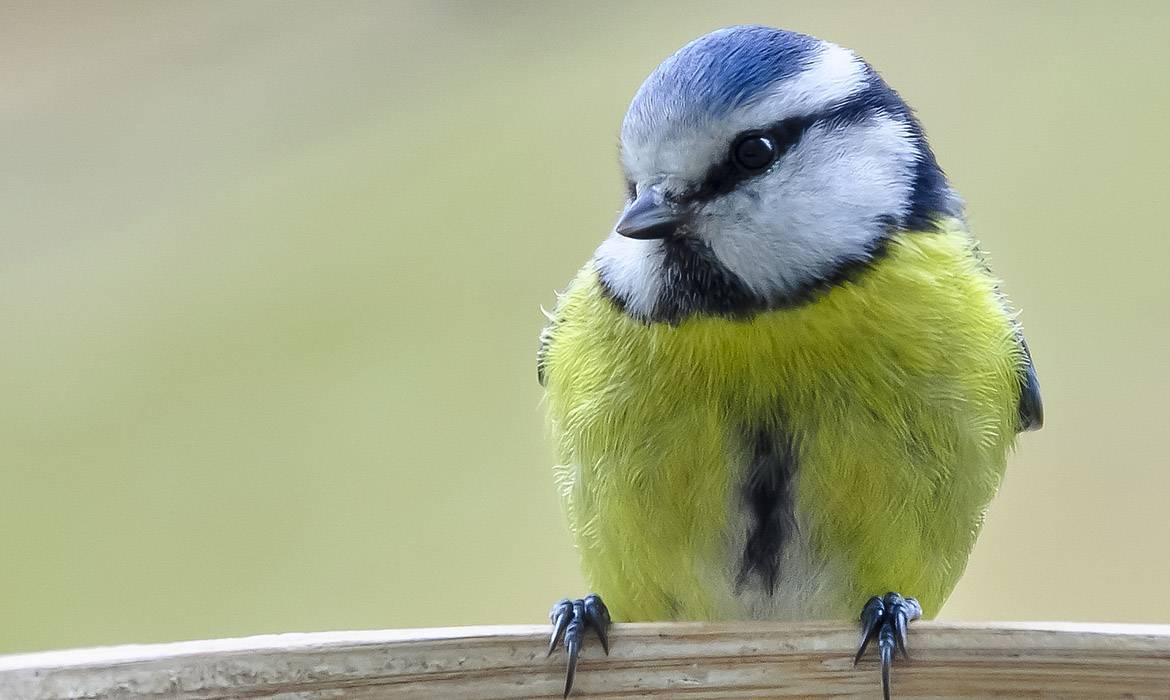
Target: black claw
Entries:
(871, 619)
(559, 616)
(570, 618)
(911, 610)
(597, 615)
(573, 645)
(887, 619)
(886, 652)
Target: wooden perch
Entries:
(692, 660)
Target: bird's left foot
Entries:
(569, 619)
(886, 619)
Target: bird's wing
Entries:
(1031, 407)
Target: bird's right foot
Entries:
(885, 618)
(569, 619)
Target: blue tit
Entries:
(786, 384)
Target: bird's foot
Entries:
(886, 619)
(569, 619)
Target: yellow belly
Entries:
(899, 390)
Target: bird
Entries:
(786, 384)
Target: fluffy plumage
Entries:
(899, 392)
(803, 396)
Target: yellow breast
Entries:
(899, 390)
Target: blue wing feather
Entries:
(1031, 406)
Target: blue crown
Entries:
(719, 71)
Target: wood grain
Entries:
(686, 660)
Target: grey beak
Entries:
(649, 216)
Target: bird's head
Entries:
(762, 165)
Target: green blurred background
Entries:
(271, 278)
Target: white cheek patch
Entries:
(822, 207)
(818, 209)
(632, 270)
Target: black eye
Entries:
(753, 153)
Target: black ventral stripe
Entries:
(767, 497)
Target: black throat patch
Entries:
(695, 282)
(767, 497)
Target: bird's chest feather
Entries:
(722, 467)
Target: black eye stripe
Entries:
(725, 175)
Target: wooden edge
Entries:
(698, 660)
